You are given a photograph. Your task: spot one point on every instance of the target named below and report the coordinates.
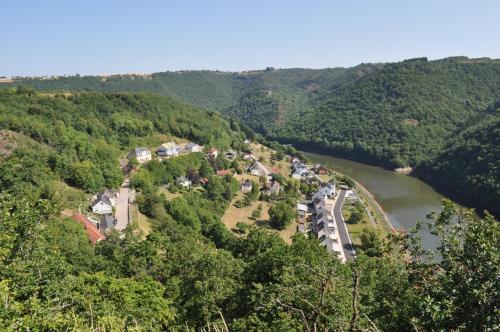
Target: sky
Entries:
(94, 37)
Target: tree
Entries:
(370, 243)
(280, 178)
(281, 214)
(242, 227)
(132, 162)
(348, 181)
(205, 170)
(236, 166)
(356, 217)
(279, 155)
(256, 214)
(458, 290)
(358, 212)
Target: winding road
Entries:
(345, 238)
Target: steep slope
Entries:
(470, 161)
(86, 134)
(401, 114)
(213, 90)
(397, 114)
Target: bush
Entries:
(370, 243)
(281, 215)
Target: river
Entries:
(404, 199)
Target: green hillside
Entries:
(191, 273)
(83, 135)
(401, 114)
(394, 114)
(213, 90)
(470, 161)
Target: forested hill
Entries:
(214, 90)
(190, 273)
(51, 139)
(397, 114)
(470, 160)
(401, 114)
(394, 114)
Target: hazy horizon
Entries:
(119, 37)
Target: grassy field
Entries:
(154, 141)
(355, 230)
(140, 221)
(169, 195)
(282, 167)
(234, 215)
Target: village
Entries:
(317, 195)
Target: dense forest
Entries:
(402, 114)
(190, 273)
(394, 114)
(470, 160)
(213, 90)
(48, 140)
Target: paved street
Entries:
(342, 228)
(121, 213)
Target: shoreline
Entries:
(370, 199)
(415, 172)
(368, 194)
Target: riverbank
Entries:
(421, 173)
(374, 206)
(404, 199)
(376, 217)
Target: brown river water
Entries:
(404, 199)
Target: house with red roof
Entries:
(92, 232)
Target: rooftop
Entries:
(91, 230)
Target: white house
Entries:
(169, 149)
(327, 191)
(246, 186)
(258, 169)
(111, 194)
(193, 147)
(102, 205)
(272, 188)
(142, 154)
(183, 181)
(302, 207)
(319, 196)
(299, 167)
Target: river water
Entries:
(404, 199)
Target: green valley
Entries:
(394, 114)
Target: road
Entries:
(121, 213)
(342, 228)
